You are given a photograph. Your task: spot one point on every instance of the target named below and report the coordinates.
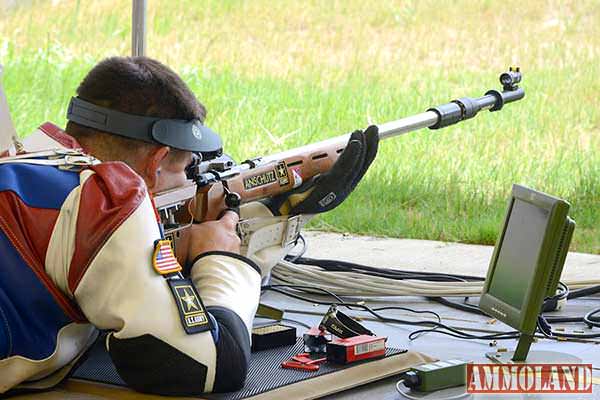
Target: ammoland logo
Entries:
(529, 378)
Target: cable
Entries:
(553, 303)
(337, 265)
(341, 302)
(546, 330)
(588, 318)
(306, 288)
(354, 288)
(550, 303)
(339, 278)
(459, 306)
(349, 279)
(587, 291)
(435, 325)
(293, 321)
(294, 257)
(365, 285)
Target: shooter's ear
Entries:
(151, 166)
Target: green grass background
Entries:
(279, 74)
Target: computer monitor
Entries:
(526, 264)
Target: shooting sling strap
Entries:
(262, 232)
(61, 158)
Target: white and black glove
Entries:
(326, 191)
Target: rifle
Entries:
(221, 183)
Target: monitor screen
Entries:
(519, 252)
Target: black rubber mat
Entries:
(265, 372)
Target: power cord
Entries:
(584, 292)
(340, 278)
(588, 318)
(434, 326)
(546, 330)
(351, 279)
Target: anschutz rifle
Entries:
(220, 183)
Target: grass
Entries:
(275, 75)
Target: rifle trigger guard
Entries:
(232, 200)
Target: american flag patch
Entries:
(164, 260)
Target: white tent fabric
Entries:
(7, 130)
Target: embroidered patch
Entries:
(163, 259)
(191, 310)
(282, 174)
(262, 179)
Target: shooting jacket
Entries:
(76, 252)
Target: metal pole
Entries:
(8, 134)
(138, 28)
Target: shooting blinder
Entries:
(179, 134)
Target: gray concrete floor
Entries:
(428, 255)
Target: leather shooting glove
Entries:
(326, 191)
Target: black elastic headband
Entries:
(177, 133)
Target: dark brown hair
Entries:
(135, 85)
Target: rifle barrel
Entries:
(408, 124)
(434, 118)
(448, 114)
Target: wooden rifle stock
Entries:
(260, 179)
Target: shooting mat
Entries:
(266, 379)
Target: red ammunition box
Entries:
(345, 351)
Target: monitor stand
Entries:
(522, 355)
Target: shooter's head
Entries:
(110, 120)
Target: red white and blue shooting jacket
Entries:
(76, 250)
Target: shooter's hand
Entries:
(326, 191)
(219, 235)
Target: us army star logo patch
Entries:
(191, 310)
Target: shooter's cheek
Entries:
(168, 179)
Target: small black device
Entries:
(274, 335)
